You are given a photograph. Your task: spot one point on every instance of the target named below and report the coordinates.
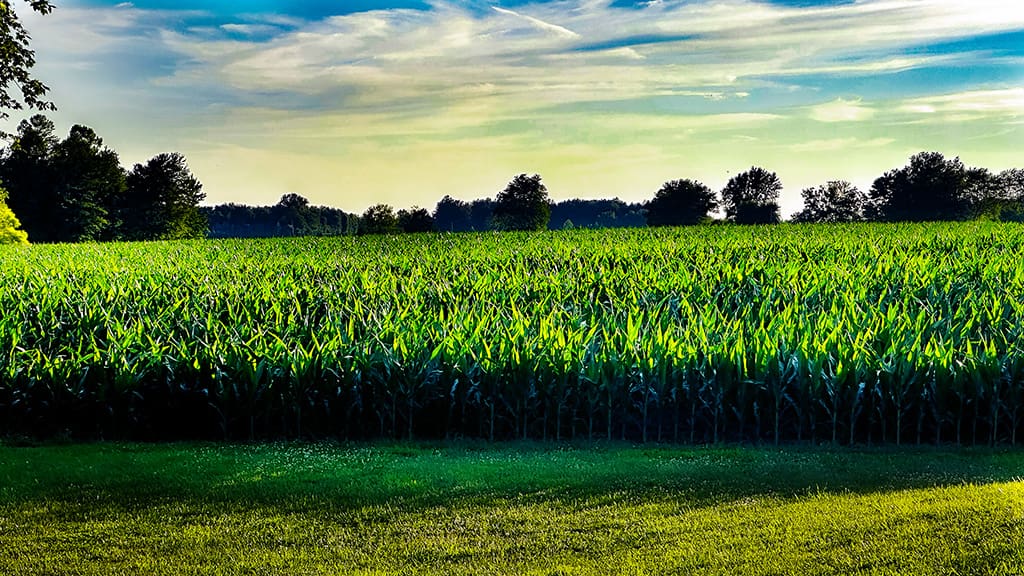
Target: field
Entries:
(863, 334)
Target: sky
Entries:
(356, 102)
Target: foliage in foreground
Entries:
(464, 509)
(10, 226)
(846, 334)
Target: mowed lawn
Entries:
(507, 509)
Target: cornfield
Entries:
(849, 334)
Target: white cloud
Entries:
(1009, 101)
(841, 110)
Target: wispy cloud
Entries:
(538, 23)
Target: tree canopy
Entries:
(379, 219)
(415, 219)
(522, 205)
(751, 197)
(681, 202)
(162, 201)
(451, 215)
(835, 201)
(16, 62)
(929, 187)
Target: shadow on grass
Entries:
(411, 477)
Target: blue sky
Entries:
(350, 103)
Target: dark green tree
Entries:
(28, 172)
(752, 197)
(293, 216)
(835, 201)
(162, 201)
(929, 187)
(522, 205)
(379, 219)
(17, 60)
(680, 203)
(415, 219)
(451, 215)
(481, 212)
(90, 185)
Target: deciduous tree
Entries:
(522, 205)
(681, 202)
(378, 219)
(451, 215)
(90, 184)
(415, 219)
(162, 201)
(17, 60)
(835, 201)
(752, 197)
(929, 187)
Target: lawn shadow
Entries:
(415, 477)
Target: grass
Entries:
(507, 509)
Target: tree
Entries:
(996, 197)
(9, 224)
(162, 201)
(415, 219)
(752, 197)
(481, 212)
(28, 172)
(679, 203)
(378, 219)
(930, 187)
(1011, 183)
(836, 201)
(522, 205)
(451, 215)
(293, 216)
(90, 184)
(17, 60)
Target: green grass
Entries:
(507, 509)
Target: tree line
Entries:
(930, 187)
(75, 189)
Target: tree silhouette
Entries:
(835, 201)
(451, 215)
(929, 187)
(522, 205)
(378, 219)
(162, 201)
(752, 197)
(679, 203)
(481, 213)
(415, 219)
(28, 172)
